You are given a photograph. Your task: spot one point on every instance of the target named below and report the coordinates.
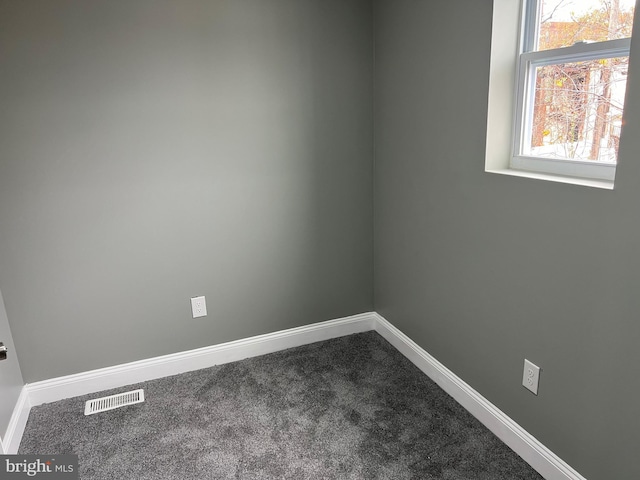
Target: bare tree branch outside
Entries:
(577, 111)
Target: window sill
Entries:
(500, 116)
(585, 182)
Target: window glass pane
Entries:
(577, 110)
(563, 23)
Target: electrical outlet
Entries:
(198, 307)
(531, 376)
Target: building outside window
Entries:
(571, 83)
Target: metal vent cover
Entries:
(113, 401)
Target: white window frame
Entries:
(528, 61)
(506, 100)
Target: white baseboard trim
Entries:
(150, 369)
(543, 460)
(18, 421)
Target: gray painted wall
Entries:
(11, 381)
(152, 151)
(485, 270)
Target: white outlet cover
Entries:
(198, 307)
(531, 376)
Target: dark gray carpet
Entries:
(349, 408)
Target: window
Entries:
(570, 73)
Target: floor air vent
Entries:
(113, 401)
